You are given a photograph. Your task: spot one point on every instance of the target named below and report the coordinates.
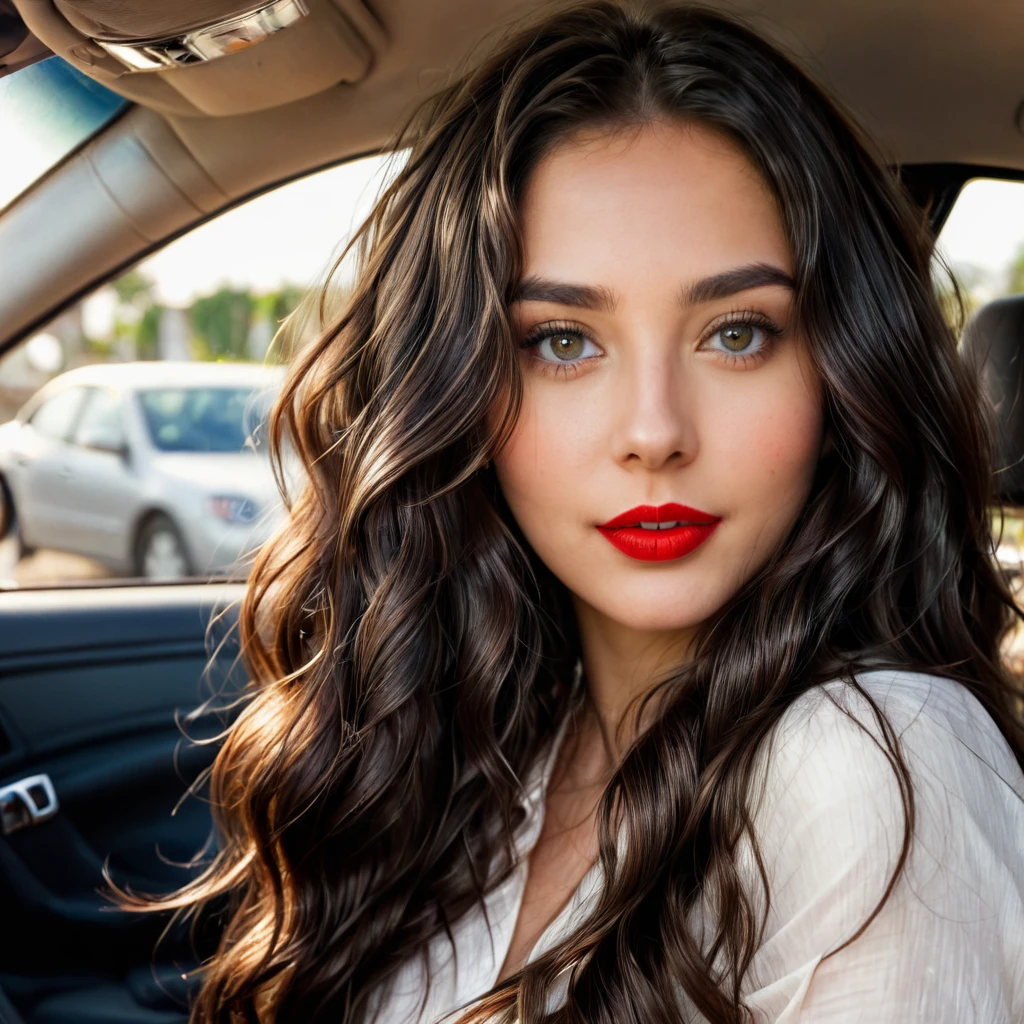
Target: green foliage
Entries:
(136, 320)
(133, 289)
(275, 306)
(147, 333)
(221, 323)
(103, 347)
(1015, 274)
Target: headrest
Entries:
(213, 57)
(994, 341)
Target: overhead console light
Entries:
(210, 42)
(211, 58)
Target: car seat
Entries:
(993, 343)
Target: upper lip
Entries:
(660, 514)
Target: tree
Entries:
(134, 289)
(137, 317)
(147, 334)
(282, 303)
(221, 323)
(277, 307)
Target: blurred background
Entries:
(116, 458)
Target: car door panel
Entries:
(93, 684)
(101, 495)
(42, 468)
(41, 489)
(103, 488)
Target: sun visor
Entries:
(210, 57)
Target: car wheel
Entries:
(160, 551)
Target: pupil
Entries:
(565, 346)
(738, 336)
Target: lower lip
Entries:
(658, 545)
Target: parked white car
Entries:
(152, 468)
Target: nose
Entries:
(655, 424)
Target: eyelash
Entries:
(736, 318)
(551, 329)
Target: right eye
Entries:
(555, 344)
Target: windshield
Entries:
(46, 111)
(216, 419)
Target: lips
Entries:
(659, 545)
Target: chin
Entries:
(654, 615)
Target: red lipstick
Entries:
(662, 544)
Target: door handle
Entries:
(66, 472)
(27, 802)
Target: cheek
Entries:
(544, 467)
(764, 451)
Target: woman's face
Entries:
(661, 368)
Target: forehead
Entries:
(665, 199)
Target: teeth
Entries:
(658, 526)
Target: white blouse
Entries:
(948, 946)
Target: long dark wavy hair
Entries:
(411, 657)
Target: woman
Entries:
(633, 652)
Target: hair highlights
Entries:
(410, 655)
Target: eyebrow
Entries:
(582, 296)
(739, 279)
(706, 289)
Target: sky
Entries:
(290, 235)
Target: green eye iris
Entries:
(565, 346)
(736, 337)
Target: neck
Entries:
(621, 665)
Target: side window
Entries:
(181, 358)
(982, 242)
(101, 424)
(56, 416)
(196, 419)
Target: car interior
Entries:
(112, 695)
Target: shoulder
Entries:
(840, 739)
(829, 791)
(938, 725)
(829, 823)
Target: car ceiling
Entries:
(936, 82)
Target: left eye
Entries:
(564, 346)
(739, 339)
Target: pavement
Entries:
(45, 568)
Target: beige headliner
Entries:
(935, 80)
